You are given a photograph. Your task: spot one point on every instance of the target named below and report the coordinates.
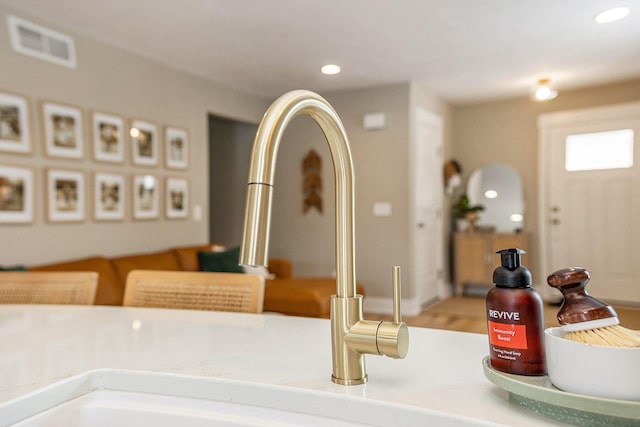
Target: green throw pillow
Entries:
(13, 268)
(221, 262)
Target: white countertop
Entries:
(442, 371)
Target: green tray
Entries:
(538, 395)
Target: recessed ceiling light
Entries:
(491, 194)
(612, 15)
(330, 69)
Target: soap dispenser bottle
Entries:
(515, 319)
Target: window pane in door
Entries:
(600, 150)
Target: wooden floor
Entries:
(468, 314)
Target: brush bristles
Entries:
(612, 336)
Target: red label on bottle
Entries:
(506, 335)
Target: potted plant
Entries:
(466, 214)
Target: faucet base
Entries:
(342, 381)
(348, 363)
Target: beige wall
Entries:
(114, 81)
(506, 132)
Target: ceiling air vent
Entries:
(34, 40)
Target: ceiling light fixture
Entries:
(612, 15)
(330, 69)
(543, 91)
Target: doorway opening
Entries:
(230, 144)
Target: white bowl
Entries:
(594, 370)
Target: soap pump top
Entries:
(511, 274)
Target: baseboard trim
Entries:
(384, 305)
(409, 307)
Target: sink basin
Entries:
(144, 399)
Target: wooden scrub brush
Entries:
(586, 319)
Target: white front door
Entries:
(427, 218)
(590, 210)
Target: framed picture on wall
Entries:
(176, 198)
(108, 137)
(63, 131)
(176, 143)
(109, 198)
(65, 195)
(16, 194)
(14, 124)
(144, 138)
(146, 198)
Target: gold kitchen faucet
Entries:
(351, 336)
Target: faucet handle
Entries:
(382, 337)
(397, 292)
(393, 337)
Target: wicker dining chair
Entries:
(195, 290)
(30, 287)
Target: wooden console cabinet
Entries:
(475, 258)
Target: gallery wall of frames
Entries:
(135, 169)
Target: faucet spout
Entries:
(351, 336)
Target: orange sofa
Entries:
(285, 294)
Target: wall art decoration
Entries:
(177, 197)
(16, 194)
(109, 198)
(14, 124)
(146, 198)
(108, 137)
(176, 142)
(65, 195)
(312, 181)
(144, 138)
(63, 130)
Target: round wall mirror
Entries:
(499, 189)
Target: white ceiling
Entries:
(463, 50)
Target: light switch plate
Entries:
(197, 213)
(382, 209)
(374, 121)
